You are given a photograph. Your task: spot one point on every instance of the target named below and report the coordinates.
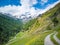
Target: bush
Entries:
(55, 21)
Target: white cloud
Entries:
(28, 3)
(25, 8)
(19, 10)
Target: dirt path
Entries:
(47, 40)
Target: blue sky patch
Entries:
(40, 6)
(9, 2)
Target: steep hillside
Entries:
(8, 27)
(39, 29)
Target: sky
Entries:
(26, 7)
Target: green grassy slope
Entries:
(44, 25)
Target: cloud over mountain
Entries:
(26, 8)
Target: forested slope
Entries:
(8, 27)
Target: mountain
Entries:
(36, 30)
(9, 27)
(25, 18)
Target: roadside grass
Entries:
(53, 40)
(58, 35)
(40, 39)
(58, 30)
(31, 39)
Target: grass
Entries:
(58, 30)
(31, 39)
(58, 35)
(17, 36)
(53, 40)
(40, 39)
